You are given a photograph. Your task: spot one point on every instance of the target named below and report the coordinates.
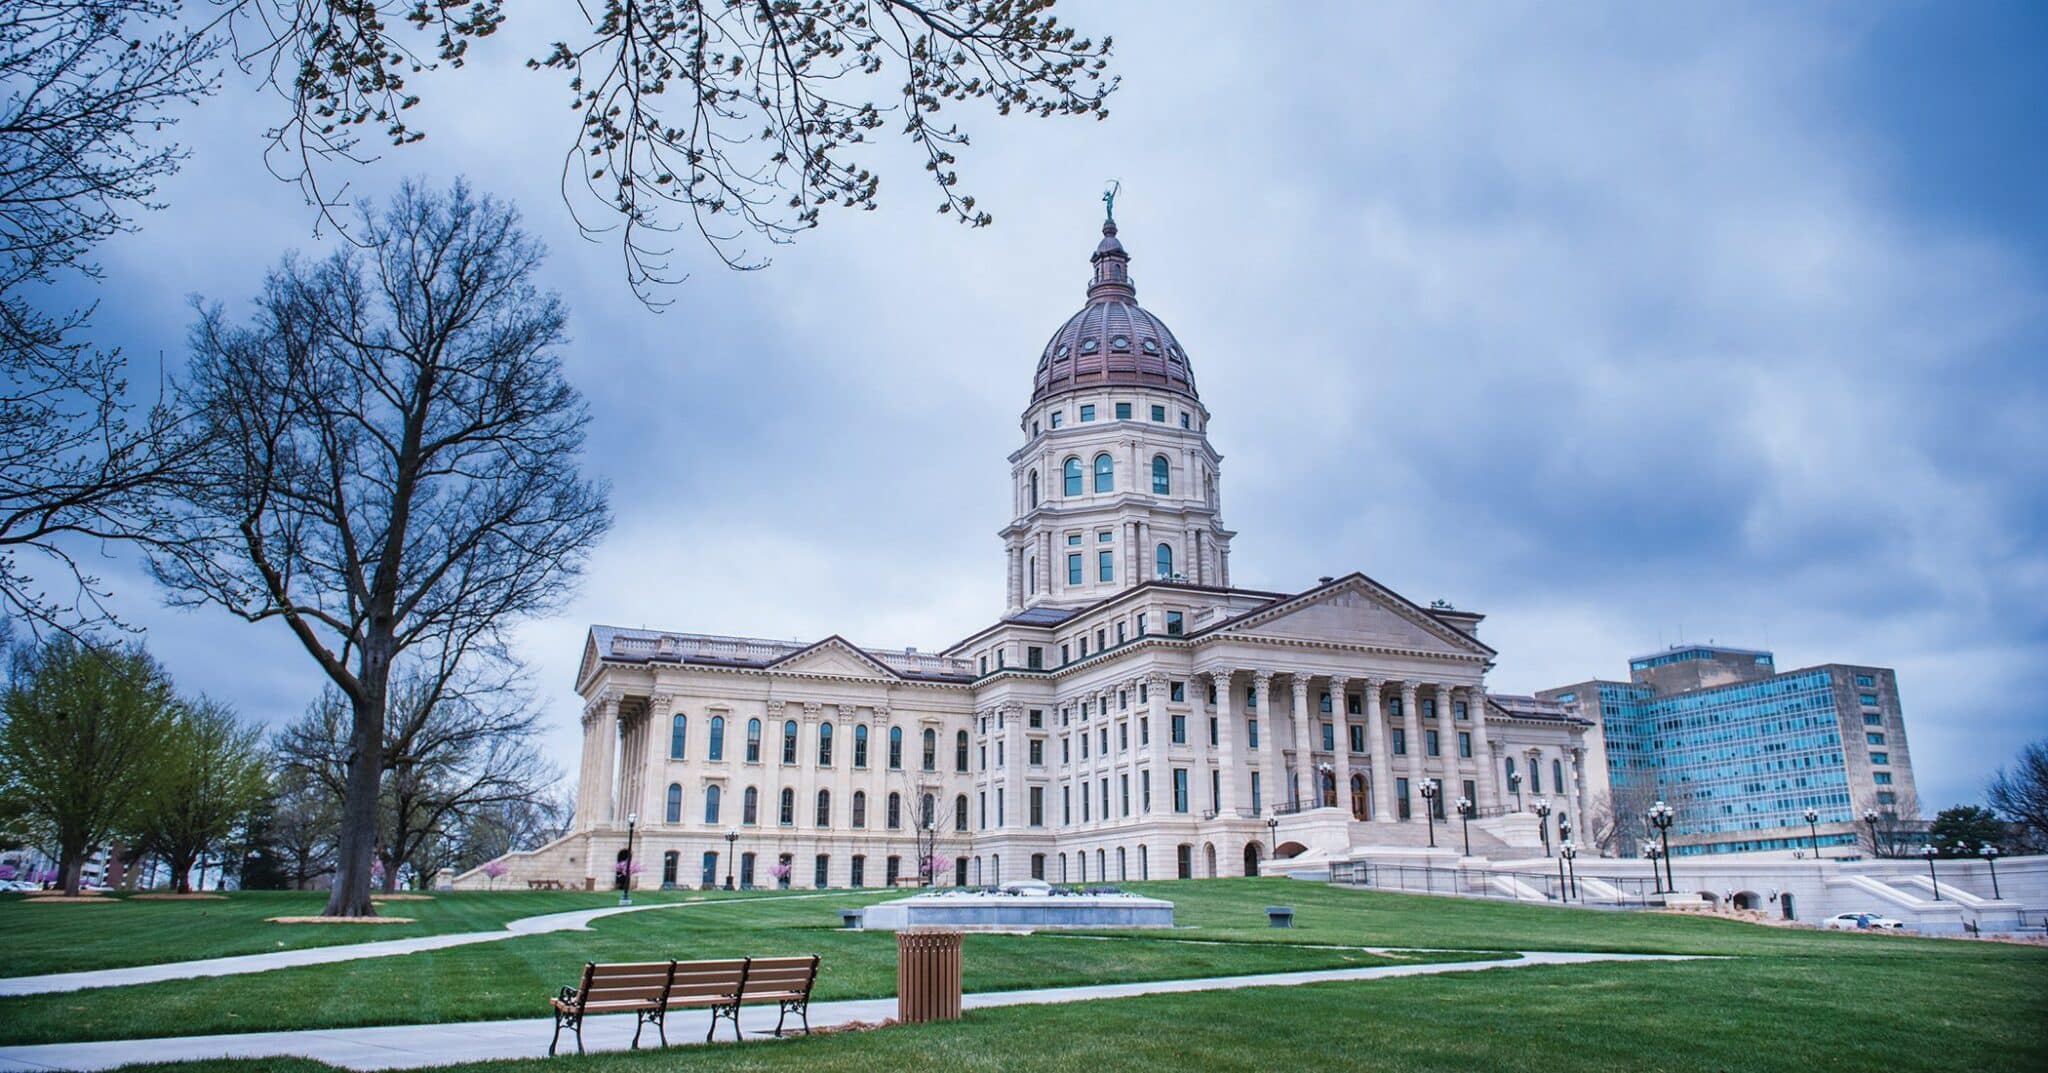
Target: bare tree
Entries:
(1615, 821)
(727, 117)
(390, 467)
(90, 86)
(302, 822)
(2021, 793)
(1898, 828)
(81, 735)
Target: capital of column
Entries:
(846, 713)
(812, 709)
(1157, 680)
(1338, 685)
(660, 703)
(882, 713)
(1262, 680)
(775, 709)
(1301, 687)
(1220, 680)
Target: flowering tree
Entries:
(780, 871)
(936, 865)
(494, 869)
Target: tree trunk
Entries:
(71, 869)
(357, 849)
(181, 871)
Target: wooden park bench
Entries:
(650, 989)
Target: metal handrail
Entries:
(1635, 891)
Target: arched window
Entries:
(824, 745)
(931, 749)
(960, 751)
(1034, 488)
(895, 748)
(895, 813)
(960, 813)
(717, 749)
(753, 741)
(789, 741)
(1071, 477)
(860, 808)
(750, 807)
(785, 811)
(675, 802)
(1162, 560)
(711, 804)
(860, 745)
(1557, 775)
(1162, 476)
(1121, 872)
(678, 736)
(1105, 473)
(927, 812)
(824, 816)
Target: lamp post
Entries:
(731, 836)
(1515, 787)
(1656, 881)
(1660, 816)
(1870, 820)
(928, 842)
(626, 886)
(1542, 810)
(1567, 859)
(1273, 834)
(1429, 792)
(1929, 852)
(1990, 854)
(1465, 810)
(1813, 829)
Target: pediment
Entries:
(1358, 611)
(836, 657)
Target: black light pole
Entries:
(1515, 786)
(1542, 810)
(1660, 816)
(1656, 880)
(1929, 852)
(1813, 828)
(1429, 791)
(731, 837)
(1870, 818)
(1273, 834)
(1465, 811)
(1568, 859)
(626, 887)
(1990, 854)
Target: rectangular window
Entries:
(1429, 709)
(1037, 805)
(1185, 421)
(1400, 742)
(1216, 791)
(1258, 801)
(1066, 805)
(1180, 789)
(1886, 797)
(1251, 732)
(1123, 794)
(1141, 624)
(1458, 710)
(821, 871)
(1401, 798)
(1088, 412)
(1868, 700)
(1105, 566)
(1430, 745)
(1865, 681)
(1329, 737)
(1120, 633)
(1034, 658)
(1066, 750)
(1873, 739)
(1123, 411)
(1465, 744)
(1145, 790)
(1037, 753)
(1056, 417)
(1073, 568)
(1036, 718)
(1872, 719)
(1177, 692)
(1212, 731)
(1357, 738)
(1073, 540)
(1159, 414)
(1173, 624)
(1880, 758)
(860, 863)
(1180, 730)
(1882, 778)
(1087, 812)
(1066, 656)
(999, 806)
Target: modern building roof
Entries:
(1517, 706)
(1112, 341)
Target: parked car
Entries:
(1864, 922)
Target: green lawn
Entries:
(1980, 1007)
(512, 978)
(67, 937)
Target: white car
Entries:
(1864, 922)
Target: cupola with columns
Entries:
(1116, 483)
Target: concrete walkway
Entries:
(577, 920)
(410, 1046)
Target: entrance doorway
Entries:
(1251, 858)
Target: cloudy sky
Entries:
(1716, 322)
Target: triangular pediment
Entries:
(833, 656)
(1357, 611)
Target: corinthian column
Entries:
(1341, 760)
(1447, 738)
(1411, 723)
(1304, 747)
(1482, 749)
(608, 751)
(1228, 757)
(1382, 766)
(1271, 779)
(1161, 735)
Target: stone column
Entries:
(586, 774)
(1577, 759)
(654, 762)
(608, 751)
(809, 730)
(1341, 760)
(1198, 747)
(1418, 758)
(1482, 749)
(1382, 763)
(1304, 746)
(1447, 738)
(845, 718)
(1273, 775)
(1161, 744)
(1228, 757)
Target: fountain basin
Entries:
(1020, 907)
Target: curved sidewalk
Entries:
(411, 1046)
(574, 920)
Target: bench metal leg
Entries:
(733, 1012)
(572, 1022)
(800, 1007)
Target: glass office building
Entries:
(1742, 750)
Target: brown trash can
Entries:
(927, 976)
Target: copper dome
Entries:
(1112, 341)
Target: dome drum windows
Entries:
(1105, 473)
(1162, 476)
(1071, 477)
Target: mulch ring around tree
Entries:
(401, 897)
(341, 920)
(195, 896)
(74, 899)
(854, 1026)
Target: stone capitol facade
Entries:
(1131, 715)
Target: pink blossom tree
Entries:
(492, 870)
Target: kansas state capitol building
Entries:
(1131, 715)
